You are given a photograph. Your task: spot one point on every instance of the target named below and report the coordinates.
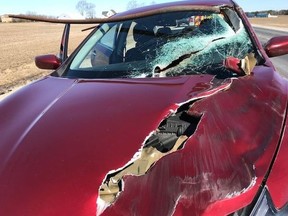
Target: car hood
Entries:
(61, 137)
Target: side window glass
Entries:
(108, 39)
(100, 54)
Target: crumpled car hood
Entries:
(60, 138)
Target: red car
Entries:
(151, 116)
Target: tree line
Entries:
(272, 12)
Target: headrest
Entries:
(142, 33)
(165, 31)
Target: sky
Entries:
(60, 7)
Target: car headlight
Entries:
(262, 206)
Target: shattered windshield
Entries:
(169, 44)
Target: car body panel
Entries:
(47, 154)
(195, 3)
(17, 125)
(279, 174)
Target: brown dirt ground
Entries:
(21, 42)
(278, 22)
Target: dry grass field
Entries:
(21, 42)
(280, 22)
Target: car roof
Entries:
(188, 3)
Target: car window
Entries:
(169, 44)
(109, 38)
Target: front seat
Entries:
(143, 36)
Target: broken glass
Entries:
(169, 44)
(205, 49)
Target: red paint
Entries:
(277, 46)
(279, 175)
(49, 62)
(233, 64)
(207, 3)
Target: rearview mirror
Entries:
(50, 62)
(277, 46)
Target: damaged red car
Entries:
(169, 109)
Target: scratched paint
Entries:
(220, 161)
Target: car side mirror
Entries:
(50, 62)
(277, 46)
